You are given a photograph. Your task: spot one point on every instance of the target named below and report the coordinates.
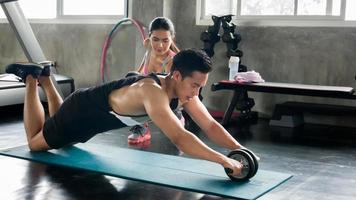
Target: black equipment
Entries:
(210, 37)
(249, 161)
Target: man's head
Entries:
(190, 71)
(190, 60)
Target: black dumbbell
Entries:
(249, 162)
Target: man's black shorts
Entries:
(78, 119)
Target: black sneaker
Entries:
(22, 70)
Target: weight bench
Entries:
(291, 114)
(241, 89)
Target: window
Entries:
(280, 12)
(70, 11)
(85, 7)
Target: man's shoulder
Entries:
(154, 92)
(149, 82)
(149, 86)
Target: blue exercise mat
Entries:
(172, 171)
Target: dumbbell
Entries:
(249, 161)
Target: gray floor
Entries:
(321, 158)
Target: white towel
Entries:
(250, 76)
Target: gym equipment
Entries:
(211, 36)
(13, 93)
(254, 157)
(110, 37)
(280, 88)
(291, 113)
(24, 34)
(249, 162)
(231, 38)
(166, 170)
(33, 52)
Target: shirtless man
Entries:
(113, 105)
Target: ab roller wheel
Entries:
(249, 161)
(254, 157)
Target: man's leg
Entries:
(34, 116)
(54, 99)
(33, 111)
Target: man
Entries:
(123, 102)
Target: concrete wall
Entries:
(308, 55)
(75, 48)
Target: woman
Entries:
(161, 47)
(160, 50)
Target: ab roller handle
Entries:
(249, 161)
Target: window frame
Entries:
(280, 20)
(79, 19)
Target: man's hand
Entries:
(233, 165)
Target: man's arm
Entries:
(157, 107)
(215, 131)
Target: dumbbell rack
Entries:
(210, 37)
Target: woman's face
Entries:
(161, 41)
